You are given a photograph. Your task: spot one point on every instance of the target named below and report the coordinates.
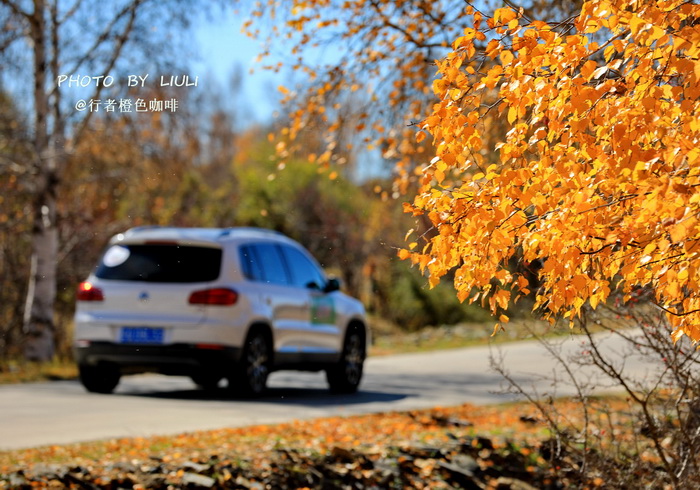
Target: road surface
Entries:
(62, 412)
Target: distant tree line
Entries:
(194, 168)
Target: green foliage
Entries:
(352, 231)
(412, 305)
(329, 216)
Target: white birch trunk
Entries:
(39, 325)
(49, 141)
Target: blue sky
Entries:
(222, 48)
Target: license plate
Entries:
(141, 335)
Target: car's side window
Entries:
(252, 268)
(304, 272)
(263, 262)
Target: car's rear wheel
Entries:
(250, 375)
(102, 378)
(345, 376)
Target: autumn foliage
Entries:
(596, 179)
(361, 70)
(564, 145)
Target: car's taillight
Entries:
(216, 296)
(88, 292)
(210, 346)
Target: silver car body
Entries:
(161, 320)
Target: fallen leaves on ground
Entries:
(457, 447)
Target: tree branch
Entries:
(15, 9)
(121, 41)
(128, 10)
(71, 12)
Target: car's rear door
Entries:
(287, 307)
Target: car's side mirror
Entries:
(333, 284)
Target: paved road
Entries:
(62, 412)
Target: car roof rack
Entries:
(248, 229)
(212, 234)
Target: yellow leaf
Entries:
(678, 232)
(636, 24)
(504, 15)
(580, 282)
(677, 335)
(599, 72)
(588, 69)
(609, 52)
(512, 114)
(506, 57)
(493, 48)
(656, 33)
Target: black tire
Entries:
(345, 376)
(249, 378)
(102, 378)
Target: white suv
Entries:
(232, 303)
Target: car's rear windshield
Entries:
(160, 263)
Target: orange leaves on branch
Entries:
(573, 145)
(598, 175)
(363, 72)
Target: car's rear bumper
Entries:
(184, 359)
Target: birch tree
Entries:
(554, 137)
(42, 41)
(597, 177)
